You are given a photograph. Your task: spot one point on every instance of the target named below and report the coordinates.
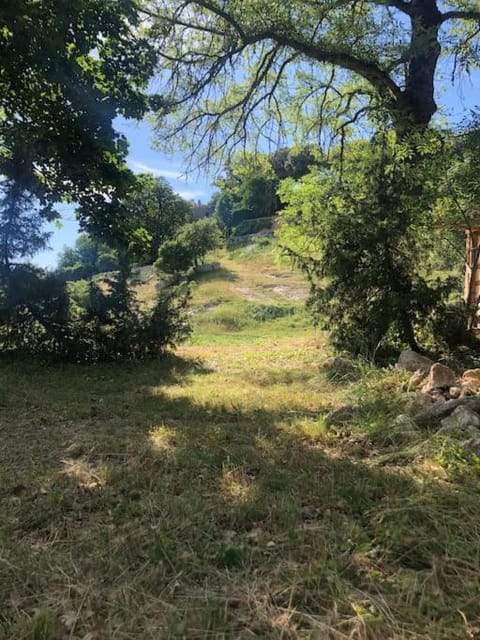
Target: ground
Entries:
(203, 497)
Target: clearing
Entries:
(203, 497)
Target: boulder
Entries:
(342, 415)
(463, 422)
(467, 391)
(340, 369)
(416, 401)
(437, 395)
(472, 446)
(471, 378)
(439, 377)
(412, 361)
(439, 410)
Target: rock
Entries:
(342, 415)
(340, 369)
(416, 380)
(467, 391)
(471, 378)
(413, 361)
(461, 423)
(472, 446)
(439, 410)
(454, 392)
(437, 395)
(415, 401)
(439, 377)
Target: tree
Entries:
(67, 70)
(21, 226)
(87, 258)
(317, 71)
(307, 63)
(190, 246)
(154, 207)
(369, 281)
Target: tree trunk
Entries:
(415, 106)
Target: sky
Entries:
(142, 158)
(454, 101)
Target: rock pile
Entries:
(437, 380)
(438, 398)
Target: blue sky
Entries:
(454, 102)
(142, 158)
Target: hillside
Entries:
(205, 497)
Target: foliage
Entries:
(21, 225)
(155, 208)
(311, 71)
(248, 189)
(266, 312)
(87, 258)
(190, 247)
(87, 322)
(67, 71)
(365, 265)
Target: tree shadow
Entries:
(245, 524)
(221, 273)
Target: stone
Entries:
(415, 401)
(467, 391)
(454, 392)
(342, 415)
(437, 395)
(471, 378)
(412, 361)
(416, 379)
(472, 445)
(439, 410)
(439, 377)
(340, 369)
(461, 423)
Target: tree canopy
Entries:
(67, 70)
(231, 67)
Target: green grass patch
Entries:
(204, 496)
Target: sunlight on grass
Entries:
(163, 439)
(203, 496)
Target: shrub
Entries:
(190, 247)
(266, 312)
(87, 322)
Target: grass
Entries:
(203, 497)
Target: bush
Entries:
(190, 247)
(266, 312)
(86, 322)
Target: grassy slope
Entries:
(202, 497)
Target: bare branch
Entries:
(461, 15)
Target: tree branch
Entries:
(461, 15)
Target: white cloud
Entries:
(141, 167)
(191, 195)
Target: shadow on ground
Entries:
(135, 514)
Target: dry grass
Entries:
(202, 497)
